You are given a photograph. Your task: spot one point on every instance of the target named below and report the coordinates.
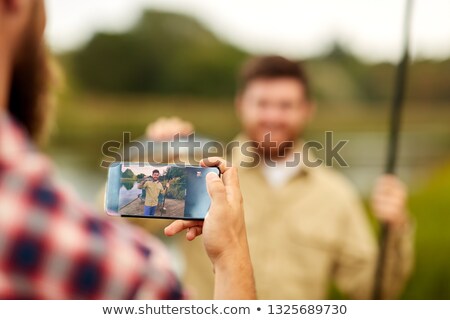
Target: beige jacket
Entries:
(153, 189)
(303, 237)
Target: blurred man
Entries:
(307, 227)
(51, 245)
(153, 189)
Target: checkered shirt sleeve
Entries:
(52, 246)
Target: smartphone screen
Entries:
(157, 191)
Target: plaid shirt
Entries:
(54, 247)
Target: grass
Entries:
(431, 209)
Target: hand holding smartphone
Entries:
(223, 228)
(224, 234)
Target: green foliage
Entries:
(177, 178)
(128, 174)
(172, 54)
(431, 210)
(140, 176)
(164, 53)
(127, 184)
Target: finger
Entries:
(231, 182)
(389, 211)
(385, 217)
(386, 196)
(391, 178)
(390, 181)
(215, 162)
(156, 132)
(390, 217)
(389, 197)
(388, 201)
(193, 233)
(180, 225)
(388, 208)
(187, 128)
(229, 175)
(385, 188)
(389, 191)
(216, 189)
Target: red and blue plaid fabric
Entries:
(54, 247)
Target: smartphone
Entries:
(163, 191)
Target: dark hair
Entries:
(31, 80)
(155, 171)
(270, 67)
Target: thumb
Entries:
(216, 188)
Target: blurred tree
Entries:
(177, 178)
(173, 54)
(164, 53)
(128, 174)
(140, 176)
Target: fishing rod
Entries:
(394, 131)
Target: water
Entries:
(128, 192)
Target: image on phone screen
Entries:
(158, 191)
